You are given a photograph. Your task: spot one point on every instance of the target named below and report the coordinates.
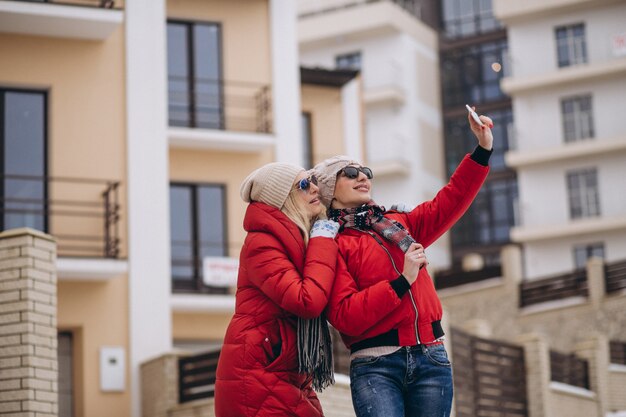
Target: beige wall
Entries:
(97, 313)
(210, 327)
(325, 106)
(245, 34)
(86, 114)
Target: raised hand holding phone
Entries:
(481, 126)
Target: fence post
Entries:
(445, 323)
(596, 280)
(159, 385)
(597, 353)
(537, 359)
(28, 324)
(512, 268)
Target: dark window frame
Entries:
(189, 24)
(482, 21)
(566, 34)
(572, 131)
(349, 57)
(196, 284)
(589, 249)
(45, 94)
(307, 136)
(578, 198)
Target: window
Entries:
(194, 63)
(490, 217)
(468, 76)
(307, 140)
(583, 193)
(583, 252)
(23, 170)
(197, 224)
(577, 118)
(460, 140)
(462, 18)
(570, 45)
(65, 357)
(350, 61)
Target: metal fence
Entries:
(569, 369)
(453, 278)
(83, 215)
(615, 276)
(196, 376)
(105, 4)
(554, 288)
(489, 377)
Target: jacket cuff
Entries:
(481, 155)
(400, 285)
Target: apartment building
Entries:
(397, 56)
(571, 153)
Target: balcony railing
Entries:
(454, 278)
(572, 284)
(196, 376)
(569, 369)
(218, 104)
(83, 215)
(105, 4)
(615, 275)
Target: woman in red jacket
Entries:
(383, 302)
(277, 347)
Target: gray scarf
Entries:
(315, 351)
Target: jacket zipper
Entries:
(417, 334)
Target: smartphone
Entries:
(474, 115)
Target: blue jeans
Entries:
(415, 381)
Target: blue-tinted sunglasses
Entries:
(305, 183)
(353, 172)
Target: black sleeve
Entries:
(400, 285)
(481, 155)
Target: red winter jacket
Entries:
(364, 306)
(257, 373)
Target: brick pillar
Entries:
(537, 359)
(597, 352)
(159, 386)
(28, 333)
(596, 281)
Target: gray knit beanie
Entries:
(270, 184)
(326, 172)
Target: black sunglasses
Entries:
(305, 183)
(353, 172)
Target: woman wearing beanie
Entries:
(277, 346)
(383, 301)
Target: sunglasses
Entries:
(305, 183)
(353, 172)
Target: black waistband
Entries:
(391, 338)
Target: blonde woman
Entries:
(277, 347)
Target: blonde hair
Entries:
(295, 209)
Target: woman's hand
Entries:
(324, 228)
(414, 260)
(483, 133)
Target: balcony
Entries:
(384, 87)
(390, 158)
(83, 216)
(220, 115)
(93, 20)
(510, 11)
(524, 234)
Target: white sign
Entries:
(619, 44)
(219, 271)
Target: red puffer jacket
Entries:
(257, 373)
(364, 307)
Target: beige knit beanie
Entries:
(326, 172)
(270, 184)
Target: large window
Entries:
(583, 252)
(65, 356)
(571, 45)
(462, 18)
(23, 168)
(351, 61)
(582, 186)
(194, 61)
(490, 217)
(198, 229)
(468, 74)
(577, 118)
(307, 139)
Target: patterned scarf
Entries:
(370, 216)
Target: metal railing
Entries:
(573, 284)
(569, 369)
(196, 376)
(218, 104)
(615, 276)
(83, 215)
(454, 278)
(104, 4)
(489, 377)
(618, 352)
